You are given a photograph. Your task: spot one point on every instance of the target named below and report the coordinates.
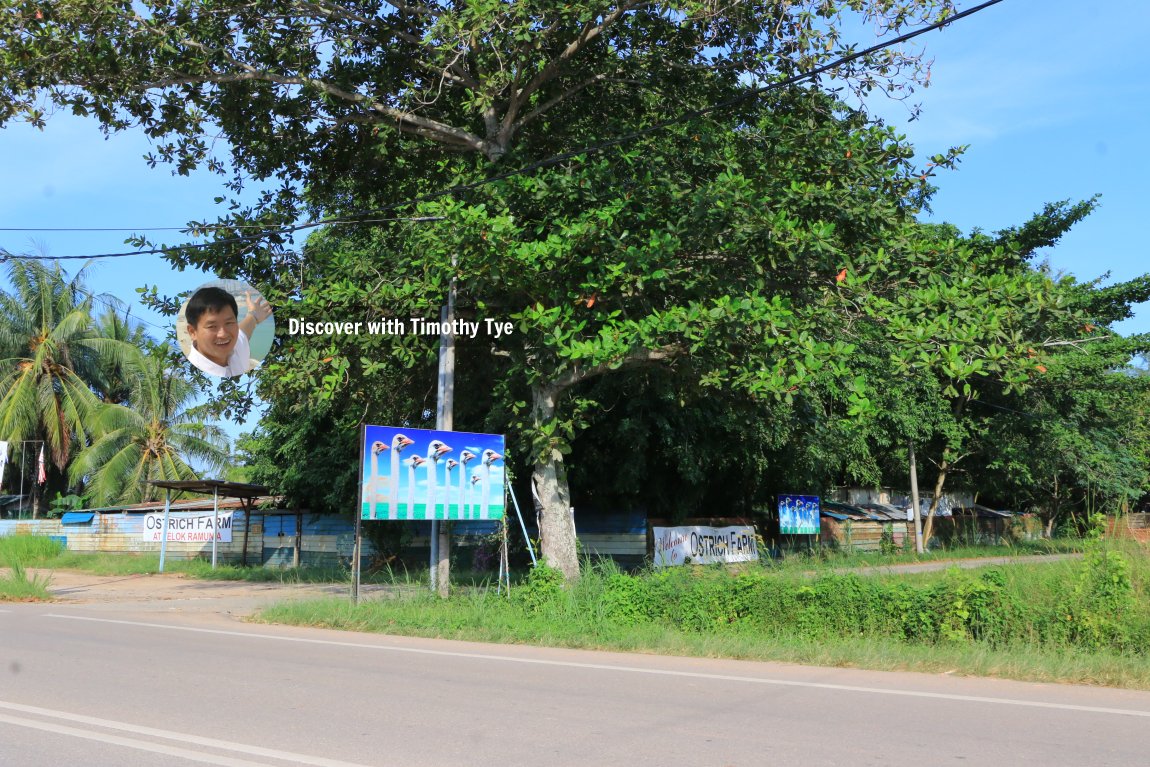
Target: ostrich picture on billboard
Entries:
(416, 474)
(799, 514)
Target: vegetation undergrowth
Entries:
(18, 584)
(1085, 620)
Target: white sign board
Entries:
(189, 527)
(704, 545)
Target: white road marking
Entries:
(629, 669)
(156, 748)
(153, 732)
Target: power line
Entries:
(550, 161)
(192, 229)
(6, 255)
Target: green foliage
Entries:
(17, 552)
(1097, 613)
(766, 257)
(23, 549)
(20, 586)
(152, 436)
(543, 588)
(985, 607)
(52, 355)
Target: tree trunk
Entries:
(556, 533)
(936, 498)
(1055, 509)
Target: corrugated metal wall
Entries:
(124, 534)
(328, 541)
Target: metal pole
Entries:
(20, 508)
(914, 502)
(444, 421)
(355, 554)
(522, 526)
(215, 522)
(164, 530)
(298, 539)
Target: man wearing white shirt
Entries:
(220, 341)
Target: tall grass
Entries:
(16, 553)
(28, 549)
(1076, 621)
(19, 586)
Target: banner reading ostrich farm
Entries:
(799, 514)
(698, 545)
(425, 474)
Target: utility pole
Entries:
(914, 502)
(444, 421)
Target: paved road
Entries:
(99, 685)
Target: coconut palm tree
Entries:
(51, 354)
(112, 382)
(152, 437)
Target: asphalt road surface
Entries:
(106, 685)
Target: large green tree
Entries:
(743, 244)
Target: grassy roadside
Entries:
(16, 552)
(1084, 621)
(423, 617)
(42, 552)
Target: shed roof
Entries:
(210, 486)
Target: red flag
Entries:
(41, 474)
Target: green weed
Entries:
(19, 586)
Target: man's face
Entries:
(215, 334)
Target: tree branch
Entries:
(553, 67)
(634, 357)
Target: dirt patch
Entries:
(178, 591)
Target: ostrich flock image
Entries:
(421, 474)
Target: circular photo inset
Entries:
(225, 328)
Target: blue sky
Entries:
(1051, 97)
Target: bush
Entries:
(1102, 611)
(543, 587)
(1097, 612)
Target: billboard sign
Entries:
(799, 514)
(700, 545)
(417, 474)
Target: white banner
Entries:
(188, 527)
(704, 545)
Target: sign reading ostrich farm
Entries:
(799, 514)
(426, 474)
(189, 527)
(699, 545)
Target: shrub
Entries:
(1097, 612)
(544, 586)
